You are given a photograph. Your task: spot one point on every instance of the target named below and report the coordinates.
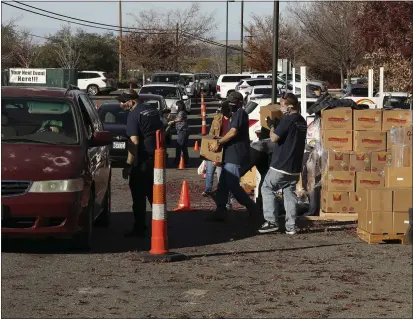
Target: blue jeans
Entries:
(273, 182)
(209, 178)
(229, 181)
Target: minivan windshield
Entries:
(43, 121)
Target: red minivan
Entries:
(55, 164)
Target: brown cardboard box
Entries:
(368, 180)
(380, 160)
(367, 141)
(402, 155)
(338, 161)
(396, 118)
(339, 181)
(400, 222)
(206, 153)
(335, 202)
(380, 200)
(399, 177)
(379, 222)
(249, 179)
(388, 143)
(360, 162)
(362, 220)
(402, 200)
(367, 120)
(357, 201)
(273, 111)
(337, 119)
(401, 135)
(339, 140)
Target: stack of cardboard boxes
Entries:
(368, 166)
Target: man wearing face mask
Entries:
(235, 143)
(142, 124)
(286, 165)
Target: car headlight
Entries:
(57, 186)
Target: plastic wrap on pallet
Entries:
(316, 159)
(397, 139)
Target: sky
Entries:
(107, 12)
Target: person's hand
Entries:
(214, 147)
(54, 129)
(126, 171)
(270, 122)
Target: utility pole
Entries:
(120, 40)
(176, 48)
(275, 22)
(242, 35)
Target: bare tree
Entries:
(171, 36)
(9, 39)
(333, 27)
(25, 49)
(67, 49)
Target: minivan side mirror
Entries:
(101, 138)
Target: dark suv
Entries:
(55, 164)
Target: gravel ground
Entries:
(230, 270)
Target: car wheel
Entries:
(92, 89)
(103, 219)
(83, 239)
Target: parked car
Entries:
(357, 90)
(167, 77)
(259, 92)
(227, 82)
(55, 164)
(191, 84)
(114, 120)
(95, 82)
(172, 93)
(207, 83)
(245, 86)
(322, 84)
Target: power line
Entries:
(116, 28)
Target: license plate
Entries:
(119, 145)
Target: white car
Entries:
(253, 110)
(172, 93)
(260, 92)
(227, 82)
(245, 86)
(95, 82)
(190, 83)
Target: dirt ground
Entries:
(230, 272)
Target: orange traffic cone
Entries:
(181, 163)
(184, 202)
(196, 147)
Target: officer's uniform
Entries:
(143, 122)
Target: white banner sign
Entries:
(34, 76)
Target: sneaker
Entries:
(268, 227)
(291, 232)
(207, 194)
(229, 206)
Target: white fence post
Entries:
(303, 91)
(381, 85)
(370, 87)
(293, 81)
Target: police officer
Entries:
(142, 124)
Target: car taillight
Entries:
(252, 122)
(218, 88)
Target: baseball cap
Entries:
(128, 95)
(235, 97)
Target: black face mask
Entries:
(234, 107)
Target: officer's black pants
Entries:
(141, 187)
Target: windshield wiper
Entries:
(21, 139)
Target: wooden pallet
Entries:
(378, 238)
(342, 217)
